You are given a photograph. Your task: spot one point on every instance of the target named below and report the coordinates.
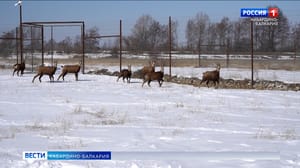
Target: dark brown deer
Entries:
(125, 73)
(18, 68)
(152, 76)
(213, 76)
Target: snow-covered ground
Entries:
(97, 113)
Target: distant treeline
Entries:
(149, 35)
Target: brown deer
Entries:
(147, 69)
(125, 73)
(46, 70)
(18, 68)
(213, 76)
(152, 76)
(70, 69)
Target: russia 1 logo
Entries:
(273, 12)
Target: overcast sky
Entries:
(107, 14)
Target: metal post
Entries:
(120, 45)
(251, 29)
(17, 44)
(42, 45)
(83, 46)
(51, 45)
(295, 55)
(227, 53)
(170, 46)
(31, 35)
(199, 53)
(21, 33)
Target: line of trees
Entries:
(236, 34)
(32, 41)
(150, 35)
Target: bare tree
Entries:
(295, 37)
(77, 45)
(223, 31)
(189, 34)
(35, 34)
(174, 38)
(66, 45)
(92, 44)
(49, 45)
(241, 35)
(273, 37)
(282, 32)
(149, 35)
(7, 46)
(212, 35)
(141, 33)
(157, 35)
(196, 30)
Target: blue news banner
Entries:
(254, 12)
(67, 155)
(107, 155)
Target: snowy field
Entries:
(98, 114)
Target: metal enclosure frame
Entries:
(57, 24)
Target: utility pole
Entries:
(170, 46)
(21, 29)
(251, 30)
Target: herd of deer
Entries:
(49, 70)
(148, 73)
